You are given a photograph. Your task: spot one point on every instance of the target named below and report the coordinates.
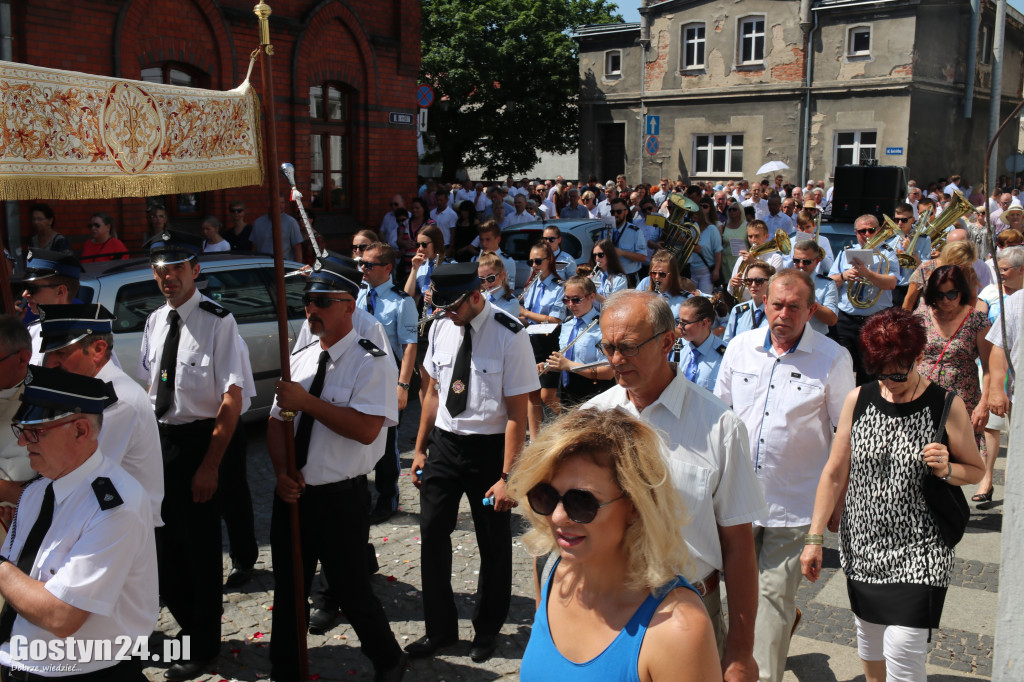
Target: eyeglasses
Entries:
(321, 301)
(950, 295)
(705, 205)
(423, 245)
(903, 220)
(394, 204)
(759, 281)
(370, 265)
(619, 211)
(536, 261)
(626, 349)
(96, 225)
(489, 279)
(550, 240)
(580, 505)
(683, 324)
(575, 300)
(659, 275)
(238, 210)
(804, 261)
(867, 230)
(898, 378)
(33, 288)
(647, 209)
(31, 433)
(360, 247)
(599, 254)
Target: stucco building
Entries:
(813, 83)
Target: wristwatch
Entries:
(405, 386)
(504, 476)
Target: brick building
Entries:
(816, 84)
(340, 67)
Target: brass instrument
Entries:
(817, 234)
(424, 317)
(907, 259)
(780, 242)
(958, 207)
(572, 343)
(680, 236)
(862, 293)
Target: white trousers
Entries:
(904, 649)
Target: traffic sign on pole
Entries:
(424, 95)
(652, 144)
(654, 125)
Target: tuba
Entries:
(891, 229)
(780, 243)
(957, 208)
(680, 235)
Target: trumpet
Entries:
(572, 343)
(780, 243)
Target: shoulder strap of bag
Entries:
(941, 428)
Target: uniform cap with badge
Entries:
(64, 325)
(450, 283)
(40, 264)
(331, 274)
(52, 394)
(174, 246)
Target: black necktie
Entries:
(168, 365)
(458, 393)
(28, 557)
(306, 420)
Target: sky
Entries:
(627, 8)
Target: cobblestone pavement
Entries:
(827, 624)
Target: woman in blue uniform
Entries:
(665, 276)
(606, 269)
(542, 304)
(429, 254)
(494, 283)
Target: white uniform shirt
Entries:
(791, 406)
(34, 330)
(502, 365)
(211, 359)
(708, 459)
(445, 220)
(130, 437)
(355, 378)
(365, 324)
(100, 561)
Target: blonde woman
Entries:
(614, 606)
(494, 283)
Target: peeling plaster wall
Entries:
(892, 49)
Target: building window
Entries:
(193, 204)
(858, 41)
(717, 154)
(613, 64)
(985, 46)
(693, 46)
(855, 148)
(330, 146)
(751, 47)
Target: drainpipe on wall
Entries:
(645, 42)
(972, 56)
(996, 99)
(11, 213)
(809, 26)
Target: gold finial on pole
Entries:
(263, 12)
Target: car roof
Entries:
(563, 224)
(134, 265)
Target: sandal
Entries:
(982, 497)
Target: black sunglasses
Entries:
(535, 261)
(360, 247)
(489, 279)
(680, 324)
(870, 230)
(659, 275)
(322, 301)
(803, 261)
(424, 245)
(580, 505)
(566, 300)
(238, 210)
(598, 254)
(755, 280)
(620, 210)
(33, 288)
(898, 378)
(950, 295)
(550, 240)
(370, 265)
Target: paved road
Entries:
(823, 649)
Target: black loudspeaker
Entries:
(849, 188)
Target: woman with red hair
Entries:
(896, 561)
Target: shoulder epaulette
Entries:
(818, 274)
(721, 349)
(507, 321)
(371, 348)
(299, 350)
(400, 291)
(744, 307)
(211, 307)
(106, 493)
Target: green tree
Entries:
(506, 78)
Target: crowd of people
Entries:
(667, 426)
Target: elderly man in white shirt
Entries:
(788, 386)
(707, 449)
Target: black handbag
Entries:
(947, 502)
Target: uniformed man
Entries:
(565, 264)
(50, 278)
(80, 559)
(200, 382)
(15, 351)
(629, 241)
(481, 369)
(699, 352)
(344, 389)
(79, 339)
(903, 216)
(750, 315)
(807, 258)
(863, 278)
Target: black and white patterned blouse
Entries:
(887, 534)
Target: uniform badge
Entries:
(163, 375)
(28, 377)
(458, 386)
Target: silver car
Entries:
(244, 284)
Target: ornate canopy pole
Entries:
(262, 11)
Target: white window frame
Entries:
(741, 39)
(729, 148)
(608, 72)
(857, 145)
(850, 51)
(686, 43)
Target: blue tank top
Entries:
(542, 661)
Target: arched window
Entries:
(330, 146)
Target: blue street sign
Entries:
(653, 125)
(894, 151)
(424, 95)
(652, 144)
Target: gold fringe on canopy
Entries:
(69, 135)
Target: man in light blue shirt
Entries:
(900, 243)
(628, 240)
